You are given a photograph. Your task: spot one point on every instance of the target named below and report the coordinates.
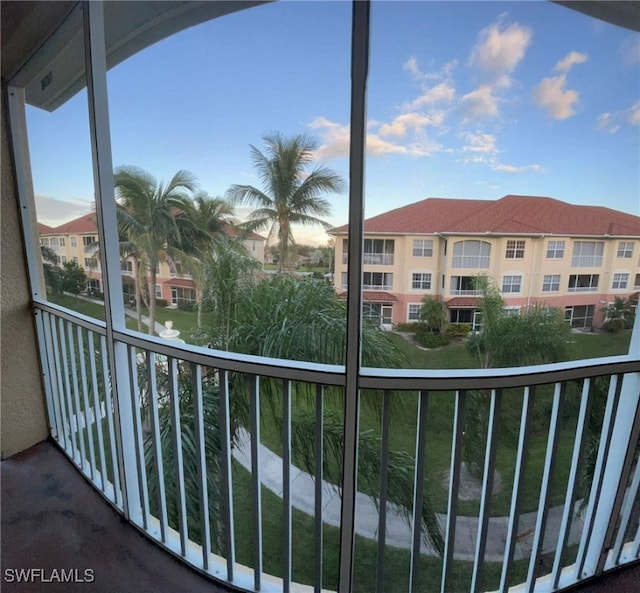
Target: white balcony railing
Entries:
(470, 292)
(583, 289)
(163, 453)
(586, 261)
(375, 259)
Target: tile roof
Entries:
(462, 302)
(44, 229)
(373, 296)
(509, 215)
(180, 282)
(234, 232)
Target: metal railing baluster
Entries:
(286, 485)
(87, 407)
(318, 473)
(256, 497)
(97, 409)
(226, 477)
(382, 500)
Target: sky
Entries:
(471, 100)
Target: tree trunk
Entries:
(152, 298)
(138, 292)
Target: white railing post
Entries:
(607, 504)
(96, 71)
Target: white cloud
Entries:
(480, 142)
(570, 60)
(499, 49)
(54, 211)
(441, 93)
(336, 142)
(480, 103)
(513, 169)
(552, 95)
(411, 65)
(411, 122)
(611, 122)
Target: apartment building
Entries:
(77, 241)
(535, 250)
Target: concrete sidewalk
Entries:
(398, 528)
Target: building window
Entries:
(44, 242)
(511, 284)
(421, 281)
(471, 254)
(620, 281)
(377, 281)
(636, 282)
(63, 259)
(414, 312)
(86, 241)
(579, 315)
(587, 254)
(90, 262)
(344, 282)
(515, 249)
(126, 266)
(555, 249)
(551, 283)
(378, 252)
(625, 249)
(464, 286)
(54, 242)
(583, 282)
(73, 242)
(75, 259)
(422, 248)
(62, 242)
(158, 291)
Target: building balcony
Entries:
(373, 259)
(152, 427)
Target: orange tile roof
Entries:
(462, 302)
(180, 282)
(44, 229)
(373, 296)
(234, 232)
(508, 215)
(83, 224)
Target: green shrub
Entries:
(161, 302)
(431, 340)
(458, 330)
(411, 326)
(186, 306)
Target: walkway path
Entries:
(398, 529)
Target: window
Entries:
(583, 282)
(463, 286)
(511, 284)
(377, 281)
(90, 262)
(44, 242)
(471, 254)
(555, 249)
(86, 241)
(344, 280)
(625, 249)
(62, 243)
(126, 266)
(378, 252)
(620, 281)
(587, 254)
(579, 315)
(54, 242)
(421, 281)
(551, 283)
(75, 259)
(515, 249)
(414, 312)
(636, 282)
(73, 242)
(158, 291)
(422, 248)
(63, 259)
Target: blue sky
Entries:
(466, 99)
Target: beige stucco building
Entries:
(535, 250)
(77, 241)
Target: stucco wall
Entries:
(22, 408)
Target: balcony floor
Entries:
(52, 519)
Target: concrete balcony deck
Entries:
(52, 518)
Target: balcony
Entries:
(374, 259)
(147, 449)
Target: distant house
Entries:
(77, 240)
(536, 250)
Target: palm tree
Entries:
(618, 315)
(290, 195)
(205, 221)
(147, 218)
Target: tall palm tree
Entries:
(205, 221)
(147, 213)
(290, 195)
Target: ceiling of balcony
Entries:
(42, 40)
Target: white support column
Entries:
(606, 506)
(96, 70)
